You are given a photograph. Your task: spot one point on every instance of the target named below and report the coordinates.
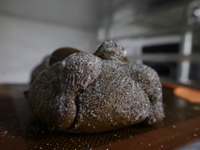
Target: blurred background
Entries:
(163, 34)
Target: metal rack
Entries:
(154, 23)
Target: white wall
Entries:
(24, 43)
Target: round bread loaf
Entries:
(87, 93)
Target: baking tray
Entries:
(19, 129)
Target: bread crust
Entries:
(84, 93)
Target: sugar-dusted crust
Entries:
(84, 93)
(124, 100)
(52, 95)
(111, 50)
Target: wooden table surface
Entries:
(20, 130)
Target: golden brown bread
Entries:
(56, 56)
(62, 53)
(84, 93)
